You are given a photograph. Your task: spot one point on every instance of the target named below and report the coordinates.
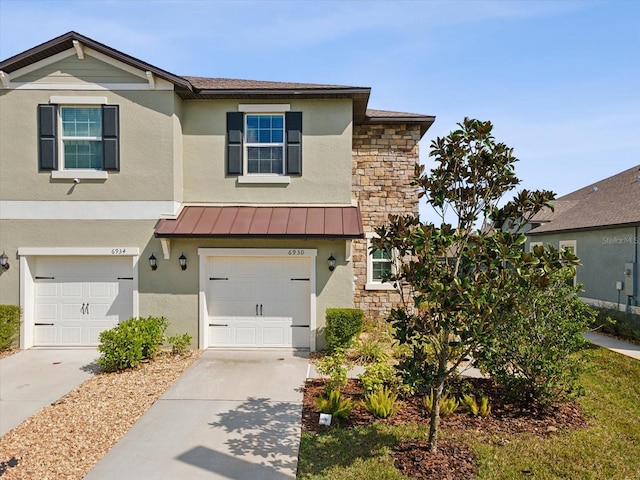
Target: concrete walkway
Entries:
(231, 415)
(618, 346)
(32, 379)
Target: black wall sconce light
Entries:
(4, 261)
(183, 261)
(153, 261)
(332, 263)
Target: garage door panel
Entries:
(46, 312)
(46, 335)
(220, 336)
(81, 296)
(71, 311)
(259, 301)
(245, 335)
(71, 289)
(71, 335)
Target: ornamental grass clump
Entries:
(448, 405)
(381, 403)
(482, 409)
(335, 404)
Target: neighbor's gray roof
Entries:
(614, 201)
(212, 88)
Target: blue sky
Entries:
(560, 80)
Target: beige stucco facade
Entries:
(172, 153)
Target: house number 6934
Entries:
(296, 252)
(118, 251)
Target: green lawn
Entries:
(609, 449)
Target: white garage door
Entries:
(78, 297)
(259, 302)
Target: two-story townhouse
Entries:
(240, 210)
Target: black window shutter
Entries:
(111, 137)
(48, 145)
(293, 122)
(235, 128)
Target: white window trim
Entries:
(74, 174)
(570, 243)
(245, 155)
(264, 108)
(257, 178)
(371, 283)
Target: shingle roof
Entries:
(610, 202)
(210, 88)
(205, 83)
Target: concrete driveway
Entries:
(32, 379)
(231, 415)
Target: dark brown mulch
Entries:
(453, 460)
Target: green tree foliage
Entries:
(530, 352)
(455, 278)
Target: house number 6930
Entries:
(296, 252)
(118, 251)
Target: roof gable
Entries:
(610, 202)
(198, 87)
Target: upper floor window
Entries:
(81, 137)
(78, 138)
(264, 143)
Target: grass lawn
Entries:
(608, 449)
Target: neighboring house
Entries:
(126, 190)
(600, 224)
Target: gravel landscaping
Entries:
(66, 439)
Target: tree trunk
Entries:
(434, 424)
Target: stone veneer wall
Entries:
(384, 159)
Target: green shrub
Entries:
(179, 343)
(378, 375)
(381, 403)
(9, 326)
(130, 342)
(335, 367)
(620, 324)
(342, 325)
(335, 405)
(152, 331)
(531, 354)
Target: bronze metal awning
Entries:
(317, 222)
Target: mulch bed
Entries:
(452, 460)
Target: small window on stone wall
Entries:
(379, 264)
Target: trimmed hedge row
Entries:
(342, 325)
(9, 326)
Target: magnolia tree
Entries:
(455, 278)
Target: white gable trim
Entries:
(79, 49)
(158, 84)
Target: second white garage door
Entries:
(258, 301)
